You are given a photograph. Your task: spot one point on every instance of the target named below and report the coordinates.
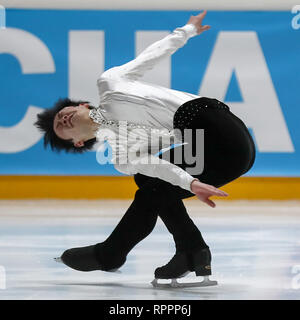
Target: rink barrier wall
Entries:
(114, 187)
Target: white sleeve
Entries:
(152, 166)
(153, 54)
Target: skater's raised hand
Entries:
(197, 22)
(204, 191)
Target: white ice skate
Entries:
(206, 282)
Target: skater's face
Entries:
(73, 123)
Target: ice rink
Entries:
(255, 248)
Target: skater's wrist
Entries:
(190, 30)
(193, 182)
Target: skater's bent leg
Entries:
(192, 253)
(172, 211)
(187, 236)
(229, 150)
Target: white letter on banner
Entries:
(86, 64)
(161, 73)
(34, 57)
(241, 52)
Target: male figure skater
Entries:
(75, 126)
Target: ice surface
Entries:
(255, 248)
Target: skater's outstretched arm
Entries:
(152, 166)
(159, 50)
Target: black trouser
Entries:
(229, 152)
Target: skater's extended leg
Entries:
(136, 224)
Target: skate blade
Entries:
(174, 284)
(58, 259)
(114, 271)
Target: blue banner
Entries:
(250, 60)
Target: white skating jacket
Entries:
(123, 97)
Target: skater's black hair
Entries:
(45, 124)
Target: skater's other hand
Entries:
(197, 22)
(203, 191)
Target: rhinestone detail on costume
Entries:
(97, 116)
